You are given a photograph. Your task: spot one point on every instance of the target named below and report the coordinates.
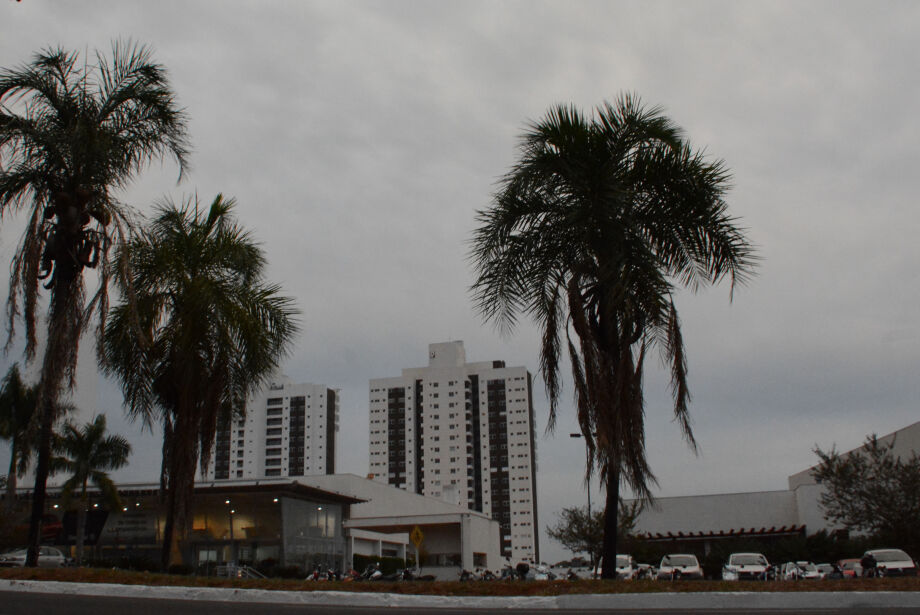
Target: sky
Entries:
(360, 139)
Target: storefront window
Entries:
(312, 534)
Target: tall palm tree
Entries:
(71, 134)
(590, 233)
(17, 410)
(202, 330)
(87, 453)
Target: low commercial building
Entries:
(698, 522)
(303, 522)
(453, 537)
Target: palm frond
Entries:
(598, 222)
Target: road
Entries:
(27, 603)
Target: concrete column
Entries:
(349, 553)
(466, 542)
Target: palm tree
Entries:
(202, 331)
(17, 409)
(591, 232)
(71, 134)
(87, 453)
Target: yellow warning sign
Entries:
(416, 536)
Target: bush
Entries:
(271, 568)
(388, 565)
(181, 569)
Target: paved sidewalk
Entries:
(700, 600)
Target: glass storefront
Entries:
(312, 534)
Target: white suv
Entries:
(745, 566)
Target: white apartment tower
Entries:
(289, 430)
(463, 432)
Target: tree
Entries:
(71, 134)
(87, 453)
(17, 409)
(591, 233)
(871, 490)
(581, 532)
(200, 332)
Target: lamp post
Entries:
(578, 435)
(230, 512)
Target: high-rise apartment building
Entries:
(289, 430)
(463, 432)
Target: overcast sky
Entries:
(360, 138)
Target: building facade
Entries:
(705, 520)
(289, 430)
(311, 521)
(464, 433)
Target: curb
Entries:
(697, 600)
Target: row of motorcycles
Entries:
(371, 573)
(521, 572)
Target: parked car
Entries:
(795, 571)
(48, 557)
(851, 568)
(827, 571)
(626, 567)
(679, 566)
(746, 566)
(893, 563)
(647, 571)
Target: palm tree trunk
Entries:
(170, 524)
(180, 486)
(81, 530)
(64, 328)
(11, 478)
(41, 478)
(609, 570)
(81, 524)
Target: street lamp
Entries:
(578, 435)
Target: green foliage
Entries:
(180, 569)
(18, 405)
(72, 133)
(580, 532)
(87, 453)
(197, 332)
(872, 490)
(601, 220)
(271, 568)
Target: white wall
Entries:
(723, 512)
